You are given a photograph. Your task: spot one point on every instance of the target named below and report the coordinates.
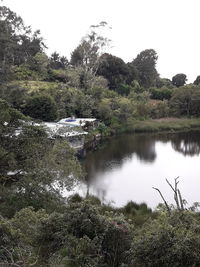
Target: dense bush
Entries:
(41, 107)
(185, 101)
(161, 93)
(168, 241)
(82, 236)
(158, 109)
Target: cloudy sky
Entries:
(171, 27)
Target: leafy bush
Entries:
(185, 101)
(41, 107)
(168, 241)
(161, 93)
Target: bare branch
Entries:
(181, 200)
(167, 206)
(175, 192)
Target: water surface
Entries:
(127, 167)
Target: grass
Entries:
(165, 124)
(34, 86)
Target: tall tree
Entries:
(145, 64)
(88, 52)
(114, 69)
(17, 43)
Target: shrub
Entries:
(41, 107)
(168, 241)
(161, 93)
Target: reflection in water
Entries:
(187, 143)
(115, 151)
(126, 167)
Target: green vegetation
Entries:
(166, 124)
(38, 226)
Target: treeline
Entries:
(91, 84)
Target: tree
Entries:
(185, 101)
(179, 79)
(164, 82)
(58, 62)
(145, 63)
(113, 69)
(32, 167)
(197, 81)
(132, 73)
(41, 107)
(161, 93)
(88, 52)
(18, 44)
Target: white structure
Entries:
(60, 130)
(74, 135)
(81, 122)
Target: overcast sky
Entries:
(171, 27)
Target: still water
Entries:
(126, 168)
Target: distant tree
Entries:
(114, 69)
(164, 82)
(132, 73)
(145, 63)
(58, 62)
(39, 63)
(186, 101)
(88, 52)
(161, 93)
(17, 42)
(179, 79)
(197, 81)
(41, 107)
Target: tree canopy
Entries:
(145, 63)
(179, 79)
(18, 43)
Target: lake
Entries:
(126, 168)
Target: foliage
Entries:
(88, 53)
(179, 79)
(168, 241)
(197, 81)
(32, 166)
(186, 101)
(113, 69)
(145, 63)
(81, 236)
(18, 44)
(57, 62)
(164, 82)
(158, 109)
(41, 107)
(161, 93)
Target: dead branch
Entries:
(181, 200)
(165, 202)
(176, 198)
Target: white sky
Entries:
(171, 27)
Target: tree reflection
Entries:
(187, 143)
(115, 151)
